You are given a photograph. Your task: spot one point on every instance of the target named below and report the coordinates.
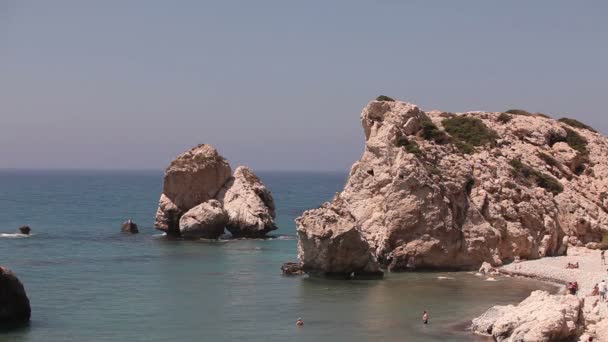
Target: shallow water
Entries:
(88, 282)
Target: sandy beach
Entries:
(553, 269)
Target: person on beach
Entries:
(425, 317)
(299, 322)
(602, 290)
(596, 290)
(603, 259)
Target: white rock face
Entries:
(249, 204)
(540, 317)
(207, 221)
(202, 176)
(437, 207)
(332, 245)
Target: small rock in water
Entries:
(479, 274)
(490, 279)
(25, 230)
(292, 269)
(129, 227)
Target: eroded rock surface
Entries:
(249, 204)
(200, 198)
(207, 221)
(540, 317)
(420, 198)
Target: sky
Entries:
(276, 85)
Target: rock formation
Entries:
(443, 190)
(200, 198)
(25, 230)
(207, 221)
(14, 304)
(129, 227)
(540, 317)
(249, 204)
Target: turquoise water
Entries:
(88, 282)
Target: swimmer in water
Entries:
(299, 322)
(425, 317)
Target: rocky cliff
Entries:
(200, 198)
(443, 190)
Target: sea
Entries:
(87, 281)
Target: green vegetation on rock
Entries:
(576, 124)
(548, 159)
(410, 146)
(504, 118)
(518, 112)
(527, 173)
(576, 141)
(431, 132)
(470, 130)
(384, 98)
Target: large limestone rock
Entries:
(14, 304)
(540, 317)
(249, 204)
(199, 194)
(420, 202)
(207, 221)
(332, 245)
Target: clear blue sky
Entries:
(276, 84)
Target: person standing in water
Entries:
(299, 322)
(425, 317)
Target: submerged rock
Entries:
(207, 221)
(200, 197)
(292, 269)
(439, 190)
(26, 230)
(129, 227)
(14, 304)
(540, 317)
(249, 204)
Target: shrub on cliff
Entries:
(469, 130)
(431, 132)
(527, 174)
(576, 124)
(384, 98)
(410, 146)
(576, 141)
(548, 159)
(518, 112)
(504, 118)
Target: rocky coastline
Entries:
(552, 317)
(438, 190)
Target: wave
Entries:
(14, 235)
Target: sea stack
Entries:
(437, 190)
(14, 304)
(129, 227)
(200, 198)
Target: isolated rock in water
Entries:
(292, 269)
(486, 268)
(129, 227)
(439, 190)
(249, 204)
(25, 230)
(191, 179)
(207, 220)
(14, 304)
(540, 317)
(330, 244)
